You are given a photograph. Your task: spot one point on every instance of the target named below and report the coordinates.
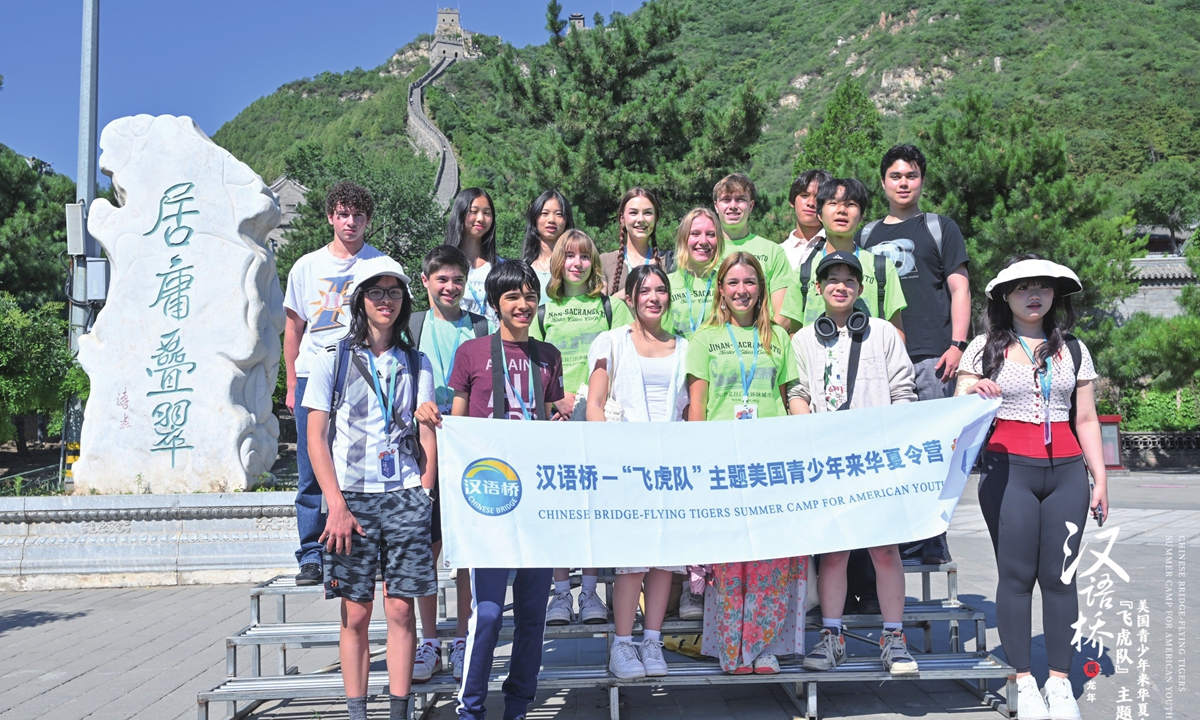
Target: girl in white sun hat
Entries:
(1034, 490)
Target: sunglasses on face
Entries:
(376, 293)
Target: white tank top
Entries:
(657, 374)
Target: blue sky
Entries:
(211, 58)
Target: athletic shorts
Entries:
(397, 539)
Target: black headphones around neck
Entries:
(827, 329)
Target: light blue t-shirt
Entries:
(439, 341)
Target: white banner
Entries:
(561, 494)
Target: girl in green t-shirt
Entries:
(699, 245)
(739, 366)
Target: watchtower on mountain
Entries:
(449, 39)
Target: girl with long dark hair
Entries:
(1034, 487)
(638, 375)
(638, 214)
(546, 219)
(472, 229)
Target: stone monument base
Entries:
(93, 541)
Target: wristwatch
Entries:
(960, 344)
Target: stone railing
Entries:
(139, 540)
(1142, 451)
(429, 138)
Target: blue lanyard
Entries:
(687, 284)
(386, 408)
(741, 363)
(1045, 379)
(446, 370)
(479, 304)
(525, 409)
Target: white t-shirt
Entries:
(318, 290)
(361, 434)
(474, 297)
(1021, 397)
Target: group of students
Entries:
(724, 325)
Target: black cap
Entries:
(839, 258)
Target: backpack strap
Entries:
(416, 325)
(479, 323)
(499, 396)
(805, 281)
(866, 232)
(856, 342)
(542, 319)
(881, 281)
(933, 223)
(607, 311)
(341, 363)
(1076, 360)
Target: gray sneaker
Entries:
(691, 606)
(591, 608)
(829, 652)
(624, 662)
(561, 609)
(458, 656)
(894, 652)
(427, 663)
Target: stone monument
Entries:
(184, 356)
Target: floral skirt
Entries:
(752, 608)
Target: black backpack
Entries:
(345, 357)
(416, 325)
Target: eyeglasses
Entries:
(377, 294)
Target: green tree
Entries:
(407, 220)
(32, 228)
(848, 142)
(1168, 195)
(613, 108)
(554, 22)
(1011, 191)
(34, 362)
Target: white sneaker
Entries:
(766, 664)
(458, 656)
(427, 663)
(624, 662)
(591, 608)
(561, 609)
(894, 653)
(652, 658)
(1030, 705)
(1060, 698)
(691, 606)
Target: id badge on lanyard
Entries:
(1044, 379)
(745, 410)
(387, 458)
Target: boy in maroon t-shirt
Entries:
(532, 376)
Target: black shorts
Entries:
(397, 539)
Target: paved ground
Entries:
(145, 653)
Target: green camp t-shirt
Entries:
(439, 341)
(868, 301)
(571, 325)
(770, 255)
(711, 357)
(691, 302)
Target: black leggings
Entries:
(1027, 504)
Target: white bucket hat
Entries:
(365, 270)
(1066, 281)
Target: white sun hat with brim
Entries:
(1066, 281)
(365, 270)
